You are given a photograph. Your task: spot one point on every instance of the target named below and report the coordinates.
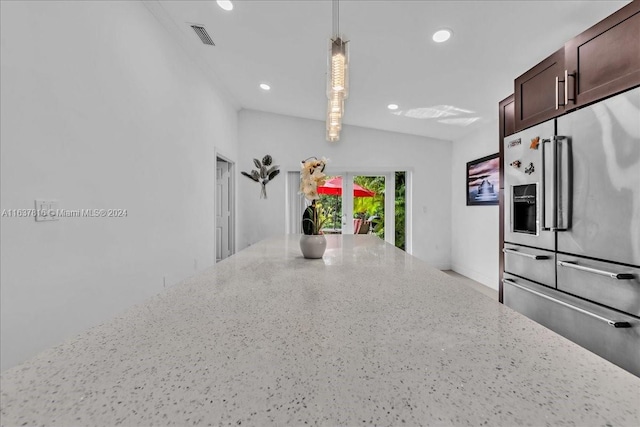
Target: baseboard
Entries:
(475, 275)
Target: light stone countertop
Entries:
(366, 335)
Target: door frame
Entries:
(232, 202)
(334, 170)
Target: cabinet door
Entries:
(537, 92)
(507, 117)
(605, 59)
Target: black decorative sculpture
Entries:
(264, 174)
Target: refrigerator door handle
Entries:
(614, 323)
(563, 187)
(576, 266)
(516, 252)
(554, 185)
(543, 185)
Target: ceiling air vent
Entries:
(202, 33)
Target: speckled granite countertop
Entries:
(367, 335)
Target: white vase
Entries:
(313, 245)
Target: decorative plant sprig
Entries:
(311, 176)
(264, 174)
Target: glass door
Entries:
(330, 205)
(356, 203)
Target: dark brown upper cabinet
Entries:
(605, 59)
(507, 116)
(538, 92)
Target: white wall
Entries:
(474, 229)
(100, 109)
(289, 140)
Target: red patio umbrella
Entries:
(333, 187)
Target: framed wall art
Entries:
(483, 181)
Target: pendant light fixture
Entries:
(337, 78)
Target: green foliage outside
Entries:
(401, 197)
(366, 207)
(330, 207)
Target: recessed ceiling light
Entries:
(225, 4)
(265, 86)
(392, 106)
(442, 35)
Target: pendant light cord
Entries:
(336, 19)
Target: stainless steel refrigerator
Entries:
(572, 226)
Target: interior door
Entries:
(223, 210)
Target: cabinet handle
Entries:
(566, 87)
(614, 323)
(619, 276)
(557, 87)
(516, 252)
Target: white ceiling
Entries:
(392, 57)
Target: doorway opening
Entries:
(358, 203)
(224, 208)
